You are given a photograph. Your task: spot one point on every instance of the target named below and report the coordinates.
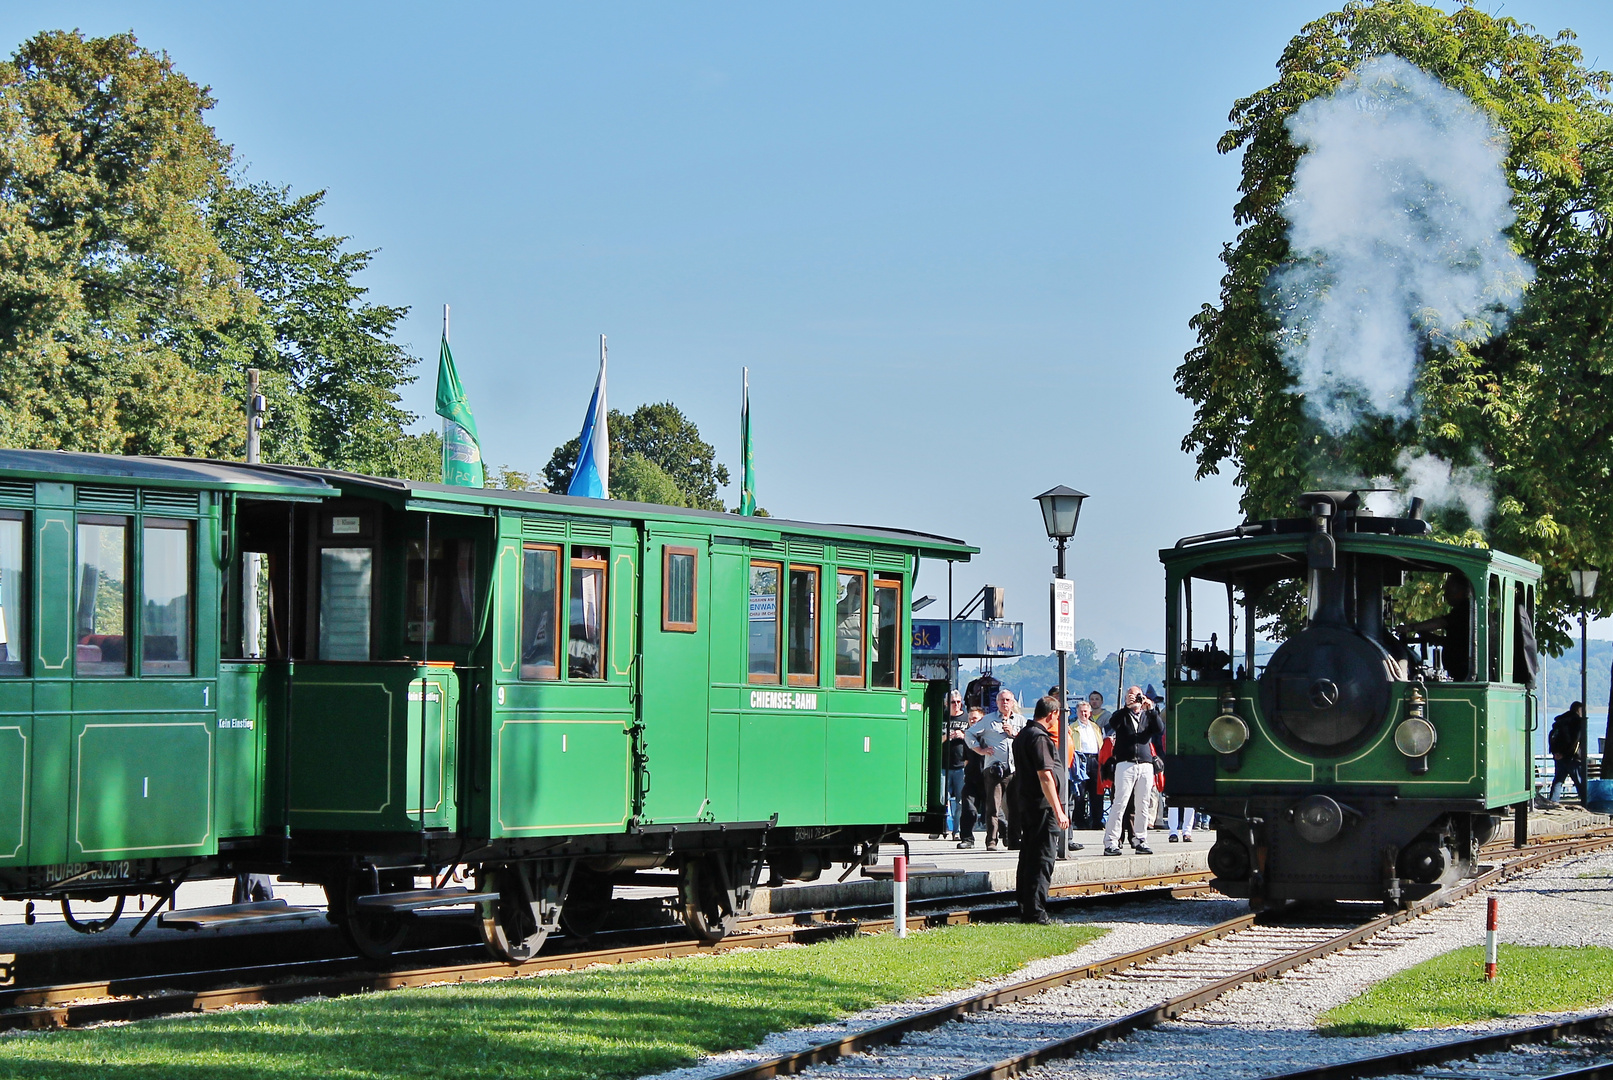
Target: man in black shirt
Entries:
(1042, 815)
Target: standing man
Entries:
(1100, 715)
(1568, 751)
(1135, 728)
(1087, 737)
(991, 737)
(1041, 815)
(954, 761)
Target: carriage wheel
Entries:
(92, 925)
(512, 928)
(375, 934)
(706, 911)
(587, 903)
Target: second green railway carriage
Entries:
(553, 692)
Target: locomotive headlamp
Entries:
(1228, 733)
(1415, 737)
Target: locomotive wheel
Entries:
(706, 911)
(587, 903)
(92, 925)
(374, 934)
(512, 927)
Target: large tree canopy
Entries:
(1529, 402)
(139, 279)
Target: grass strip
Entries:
(607, 1023)
(1450, 989)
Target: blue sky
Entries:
(958, 246)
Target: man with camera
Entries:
(1135, 729)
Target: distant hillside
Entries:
(1030, 676)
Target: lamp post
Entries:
(1584, 582)
(1061, 509)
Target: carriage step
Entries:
(213, 918)
(417, 899)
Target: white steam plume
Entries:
(1442, 485)
(1396, 223)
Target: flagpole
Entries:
(445, 322)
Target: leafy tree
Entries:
(331, 367)
(106, 167)
(660, 433)
(1530, 400)
(138, 282)
(638, 479)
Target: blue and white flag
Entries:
(590, 477)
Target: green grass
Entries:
(1450, 989)
(612, 1022)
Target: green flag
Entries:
(461, 450)
(747, 481)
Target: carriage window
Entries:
(165, 606)
(448, 613)
(540, 612)
(346, 589)
(849, 595)
(13, 608)
(886, 617)
(585, 652)
(678, 584)
(764, 613)
(804, 625)
(102, 619)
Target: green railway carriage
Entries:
(1372, 754)
(214, 667)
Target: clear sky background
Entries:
(957, 245)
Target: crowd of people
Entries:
(1001, 770)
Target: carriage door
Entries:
(676, 681)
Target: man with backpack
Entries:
(1567, 745)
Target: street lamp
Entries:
(1061, 509)
(1584, 583)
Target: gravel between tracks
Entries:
(1258, 1030)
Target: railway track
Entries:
(145, 996)
(1581, 1049)
(1012, 1029)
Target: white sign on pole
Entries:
(1063, 615)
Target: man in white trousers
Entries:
(1135, 728)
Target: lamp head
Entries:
(1061, 509)
(1584, 582)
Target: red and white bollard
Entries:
(899, 887)
(1490, 928)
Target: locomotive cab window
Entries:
(1435, 612)
(447, 615)
(165, 601)
(1495, 650)
(763, 636)
(101, 617)
(585, 649)
(851, 594)
(540, 612)
(679, 585)
(803, 616)
(1525, 658)
(885, 616)
(13, 594)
